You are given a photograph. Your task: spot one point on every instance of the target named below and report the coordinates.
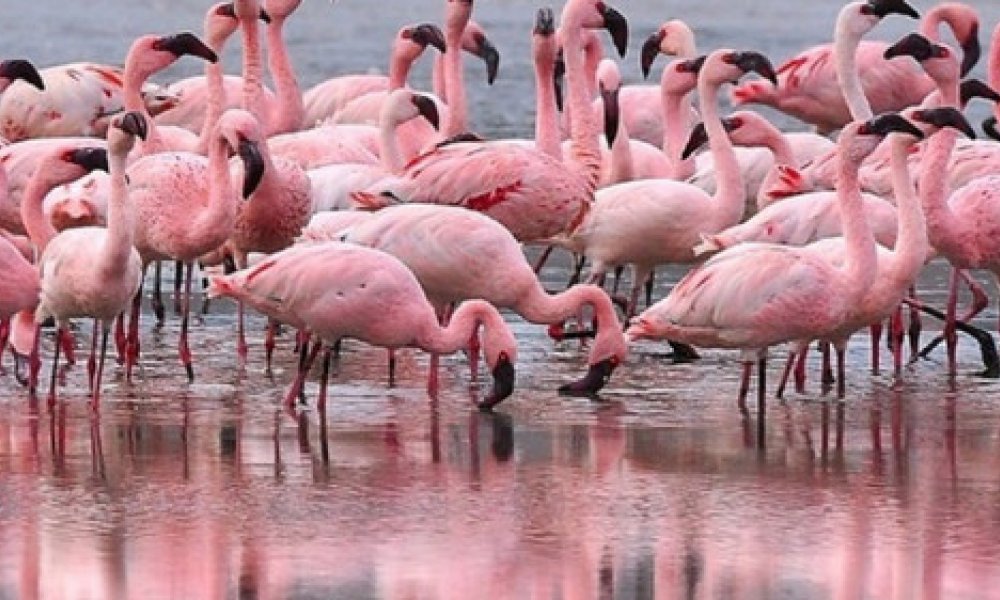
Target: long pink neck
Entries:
(547, 137)
(730, 195)
(457, 119)
(439, 81)
(390, 155)
(537, 306)
(860, 263)
(221, 205)
(121, 218)
(910, 252)
(952, 14)
(583, 130)
(993, 64)
(778, 144)
(39, 229)
(134, 78)
(253, 70)
(947, 233)
(845, 46)
(213, 107)
(622, 162)
(466, 320)
(290, 109)
(399, 69)
(676, 129)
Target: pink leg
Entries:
(95, 400)
(55, 368)
(979, 298)
(35, 362)
(741, 399)
(876, 335)
(432, 376)
(241, 340)
(950, 334)
(916, 325)
(800, 370)
(121, 342)
(541, 259)
(789, 364)
(4, 336)
(272, 325)
(841, 379)
(474, 356)
(827, 371)
(92, 359)
(896, 327)
(323, 380)
(182, 348)
(305, 363)
(132, 345)
(65, 338)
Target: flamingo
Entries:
(196, 105)
(185, 207)
(459, 254)
(897, 269)
(648, 222)
(810, 83)
(19, 289)
(753, 296)
(94, 271)
(528, 191)
(61, 163)
(336, 290)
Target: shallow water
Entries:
(657, 489)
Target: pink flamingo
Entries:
(897, 269)
(19, 289)
(94, 271)
(336, 291)
(59, 165)
(329, 226)
(186, 207)
(196, 103)
(325, 99)
(754, 296)
(458, 254)
(653, 221)
(808, 86)
(529, 192)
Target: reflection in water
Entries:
(880, 498)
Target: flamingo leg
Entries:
(950, 335)
(979, 302)
(789, 365)
(916, 325)
(92, 359)
(295, 390)
(649, 288)
(121, 340)
(157, 301)
(178, 279)
(35, 362)
(132, 346)
(841, 377)
(183, 348)
(324, 379)
(741, 399)
(828, 378)
(55, 368)
(269, 344)
(618, 275)
(95, 400)
(392, 366)
(241, 339)
(542, 259)
(896, 324)
(474, 348)
(800, 369)
(876, 335)
(4, 336)
(578, 262)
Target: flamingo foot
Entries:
(598, 375)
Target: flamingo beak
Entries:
(971, 50)
(428, 34)
(186, 43)
(545, 22)
(650, 50)
(612, 112)
(489, 54)
(134, 123)
(21, 69)
(754, 61)
(890, 123)
(617, 26)
(253, 163)
(990, 127)
(913, 44)
(596, 378)
(697, 139)
(427, 108)
(90, 159)
(558, 73)
(974, 88)
(947, 116)
(503, 383)
(881, 8)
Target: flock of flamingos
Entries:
(362, 208)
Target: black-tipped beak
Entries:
(229, 10)
(974, 88)
(21, 69)
(693, 65)
(650, 50)
(428, 34)
(545, 22)
(612, 113)
(913, 44)
(263, 16)
(427, 108)
(91, 159)
(971, 50)
(754, 61)
(990, 128)
(489, 54)
(697, 139)
(253, 167)
(889, 123)
(881, 8)
(557, 79)
(503, 384)
(946, 116)
(186, 43)
(617, 26)
(135, 124)
(596, 378)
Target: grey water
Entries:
(659, 488)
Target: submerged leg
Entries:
(95, 401)
(157, 300)
(183, 348)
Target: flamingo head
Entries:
(941, 117)
(609, 350)
(937, 60)
(883, 8)
(609, 83)
(221, 22)
(723, 66)
(248, 11)
(673, 38)
(862, 137)
(475, 42)
(699, 134)
(975, 88)
(502, 369)
(151, 53)
(123, 130)
(241, 132)
(544, 46)
(281, 9)
(74, 212)
(595, 14)
(404, 104)
(413, 39)
(12, 70)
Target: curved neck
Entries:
(945, 230)
(993, 62)
(213, 107)
(438, 82)
(538, 306)
(911, 237)
(730, 195)
(121, 220)
(583, 131)
(134, 78)
(253, 71)
(622, 163)
(860, 264)
(676, 129)
(845, 46)
(388, 145)
(457, 119)
(547, 136)
(399, 70)
(221, 200)
(778, 144)
(39, 229)
(463, 323)
(290, 109)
